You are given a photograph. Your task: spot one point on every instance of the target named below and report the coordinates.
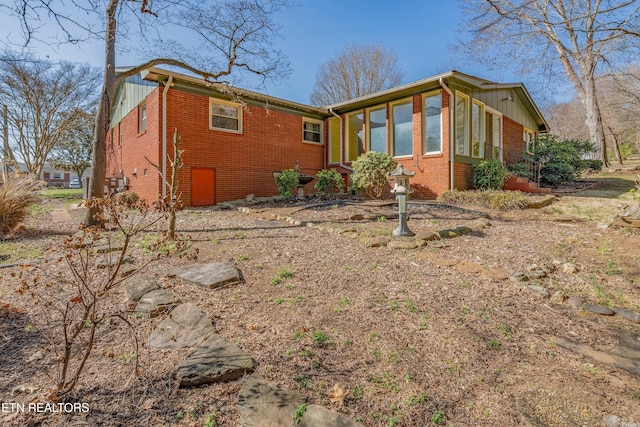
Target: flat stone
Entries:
(535, 272)
(615, 421)
(157, 301)
(357, 217)
(319, 416)
(469, 267)
(495, 273)
(575, 301)
(378, 241)
(209, 276)
(558, 297)
(103, 248)
(134, 289)
(402, 244)
(266, 404)
(481, 223)
(447, 233)
(542, 408)
(519, 277)
(569, 268)
(628, 314)
(127, 269)
(599, 309)
(217, 360)
(543, 292)
(426, 235)
(110, 260)
(186, 326)
(462, 229)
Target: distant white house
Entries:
(56, 177)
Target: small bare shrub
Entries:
(16, 194)
(492, 199)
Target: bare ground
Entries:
(408, 332)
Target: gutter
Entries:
(451, 163)
(342, 165)
(167, 85)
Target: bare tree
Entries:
(578, 38)
(73, 153)
(232, 35)
(359, 70)
(41, 97)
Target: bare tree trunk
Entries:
(98, 171)
(594, 118)
(616, 146)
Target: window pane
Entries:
(311, 136)
(402, 129)
(354, 137)
(224, 123)
(461, 126)
(433, 123)
(224, 110)
(378, 130)
(477, 149)
(311, 132)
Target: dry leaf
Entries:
(337, 395)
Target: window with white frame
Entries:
(462, 128)
(402, 128)
(529, 140)
(312, 131)
(56, 175)
(377, 130)
(142, 117)
(477, 129)
(225, 116)
(433, 123)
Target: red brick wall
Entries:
(512, 141)
(244, 163)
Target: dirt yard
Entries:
(437, 335)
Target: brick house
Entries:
(233, 142)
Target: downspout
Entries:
(167, 85)
(340, 163)
(446, 88)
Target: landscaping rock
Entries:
(462, 230)
(378, 241)
(127, 269)
(217, 360)
(134, 289)
(110, 260)
(542, 408)
(519, 277)
(357, 217)
(535, 272)
(319, 416)
(186, 326)
(426, 235)
(103, 248)
(543, 292)
(614, 421)
(402, 244)
(628, 314)
(155, 302)
(448, 233)
(495, 274)
(209, 276)
(569, 268)
(558, 297)
(575, 301)
(481, 223)
(599, 309)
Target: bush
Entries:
(594, 165)
(521, 169)
(128, 199)
(489, 174)
(554, 174)
(370, 173)
(16, 194)
(493, 199)
(287, 181)
(329, 181)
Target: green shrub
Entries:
(370, 173)
(554, 174)
(128, 199)
(595, 165)
(521, 169)
(329, 181)
(16, 194)
(287, 181)
(493, 199)
(489, 174)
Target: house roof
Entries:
(433, 82)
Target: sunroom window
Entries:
(462, 128)
(433, 123)
(402, 119)
(378, 130)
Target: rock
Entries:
(378, 241)
(357, 217)
(481, 223)
(469, 267)
(535, 272)
(627, 314)
(461, 229)
(209, 276)
(217, 360)
(543, 292)
(575, 301)
(157, 301)
(599, 309)
(569, 268)
(250, 197)
(519, 277)
(402, 244)
(103, 248)
(110, 260)
(136, 288)
(266, 404)
(542, 408)
(558, 297)
(127, 269)
(186, 326)
(495, 274)
(447, 233)
(614, 421)
(426, 235)
(319, 416)
(352, 234)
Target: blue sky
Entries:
(421, 32)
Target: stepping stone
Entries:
(209, 276)
(426, 235)
(462, 230)
(519, 277)
(599, 309)
(136, 288)
(469, 267)
(628, 314)
(542, 408)
(186, 326)
(495, 274)
(403, 244)
(157, 301)
(266, 404)
(378, 241)
(481, 223)
(447, 233)
(575, 301)
(217, 360)
(127, 269)
(539, 290)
